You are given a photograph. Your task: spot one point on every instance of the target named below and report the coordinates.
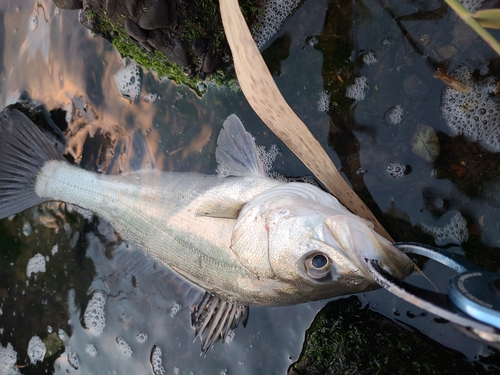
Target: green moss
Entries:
(201, 19)
(345, 339)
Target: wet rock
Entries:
(111, 6)
(199, 46)
(173, 49)
(133, 30)
(156, 15)
(133, 7)
(146, 46)
(210, 62)
(69, 4)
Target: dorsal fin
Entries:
(237, 154)
(213, 318)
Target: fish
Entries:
(244, 238)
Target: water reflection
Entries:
(58, 63)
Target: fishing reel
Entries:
(472, 300)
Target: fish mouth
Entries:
(361, 243)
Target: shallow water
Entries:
(50, 58)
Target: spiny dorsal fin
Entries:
(237, 154)
(213, 318)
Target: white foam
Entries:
(90, 350)
(474, 114)
(396, 170)
(54, 250)
(358, 90)
(36, 265)
(157, 361)
(124, 346)
(36, 349)
(150, 98)
(472, 5)
(268, 157)
(128, 81)
(175, 309)
(73, 360)
(8, 359)
(369, 58)
(27, 228)
(323, 102)
(395, 114)
(455, 232)
(274, 13)
(141, 337)
(94, 317)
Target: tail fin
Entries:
(24, 149)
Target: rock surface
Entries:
(183, 40)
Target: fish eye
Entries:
(317, 266)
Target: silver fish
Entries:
(245, 239)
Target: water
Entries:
(49, 57)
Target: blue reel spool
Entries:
(478, 295)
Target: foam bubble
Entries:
(124, 346)
(36, 349)
(8, 359)
(472, 5)
(175, 309)
(369, 58)
(474, 114)
(358, 90)
(94, 317)
(455, 232)
(150, 98)
(54, 250)
(394, 115)
(157, 360)
(323, 102)
(274, 13)
(268, 157)
(128, 81)
(398, 170)
(36, 264)
(27, 228)
(91, 350)
(73, 360)
(141, 337)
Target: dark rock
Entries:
(173, 49)
(133, 7)
(156, 15)
(88, 22)
(133, 30)
(69, 4)
(111, 6)
(146, 46)
(199, 46)
(210, 62)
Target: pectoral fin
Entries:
(213, 318)
(225, 209)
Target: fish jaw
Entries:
(361, 243)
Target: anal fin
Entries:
(213, 318)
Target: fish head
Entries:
(318, 249)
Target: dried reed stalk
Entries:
(265, 98)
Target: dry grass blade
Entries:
(265, 98)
